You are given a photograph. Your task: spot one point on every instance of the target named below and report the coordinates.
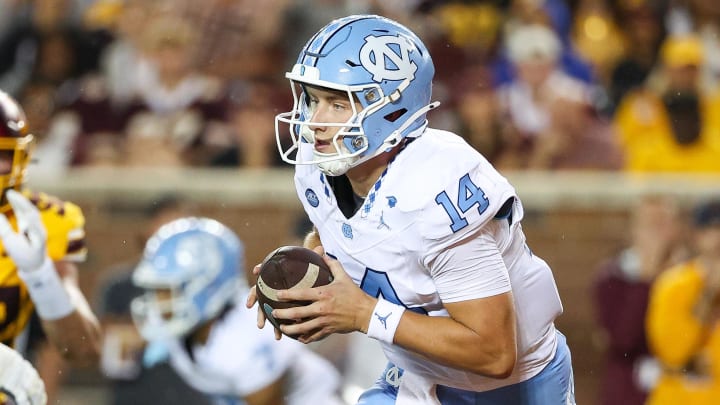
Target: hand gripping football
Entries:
(286, 268)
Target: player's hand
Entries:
(19, 379)
(252, 300)
(339, 307)
(27, 246)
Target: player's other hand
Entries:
(27, 246)
(252, 300)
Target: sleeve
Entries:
(470, 270)
(459, 232)
(674, 334)
(463, 203)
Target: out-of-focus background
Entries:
(590, 107)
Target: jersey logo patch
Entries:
(393, 376)
(382, 223)
(387, 57)
(392, 201)
(312, 198)
(347, 231)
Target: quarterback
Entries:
(422, 234)
(192, 275)
(42, 240)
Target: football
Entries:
(286, 268)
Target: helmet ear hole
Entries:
(393, 116)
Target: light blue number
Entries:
(376, 282)
(468, 196)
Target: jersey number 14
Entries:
(468, 196)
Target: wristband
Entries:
(47, 292)
(384, 320)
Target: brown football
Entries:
(286, 268)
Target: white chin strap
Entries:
(337, 167)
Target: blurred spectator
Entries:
(672, 124)
(551, 122)
(120, 59)
(701, 17)
(620, 293)
(643, 32)
(252, 117)
(241, 39)
(54, 131)
(306, 17)
(597, 37)
(554, 14)
(180, 113)
(478, 112)
(132, 382)
(578, 139)
(67, 102)
(683, 322)
(46, 45)
(463, 38)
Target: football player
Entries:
(20, 384)
(422, 234)
(194, 280)
(42, 240)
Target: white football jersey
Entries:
(239, 359)
(437, 193)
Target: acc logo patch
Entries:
(388, 58)
(312, 198)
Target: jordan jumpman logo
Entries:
(383, 319)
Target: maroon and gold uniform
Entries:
(65, 225)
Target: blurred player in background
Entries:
(42, 239)
(422, 223)
(194, 282)
(20, 384)
(125, 361)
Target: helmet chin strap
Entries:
(336, 167)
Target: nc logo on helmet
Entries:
(388, 58)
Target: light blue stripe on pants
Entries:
(552, 386)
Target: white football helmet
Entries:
(199, 261)
(380, 64)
